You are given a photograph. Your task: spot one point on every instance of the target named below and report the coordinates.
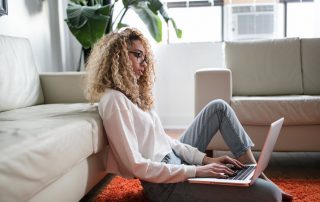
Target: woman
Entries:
(121, 76)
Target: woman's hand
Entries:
(226, 160)
(216, 170)
(219, 167)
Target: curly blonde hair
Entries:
(109, 66)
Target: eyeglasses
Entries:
(140, 57)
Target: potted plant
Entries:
(89, 20)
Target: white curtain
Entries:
(70, 49)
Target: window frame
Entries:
(220, 3)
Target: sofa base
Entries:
(77, 182)
(304, 138)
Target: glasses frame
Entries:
(139, 55)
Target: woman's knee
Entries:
(218, 104)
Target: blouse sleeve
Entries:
(123, 142)
(187, 152)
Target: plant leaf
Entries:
(87, 23)
(164, 14)
(155, 6)
(178, 31)
(166, 17)
(120, 25)
(80, 2)
(127, 3)
(152, 21)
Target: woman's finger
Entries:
(241, 165)
(223, 169)
(234, 162)
(219, 175)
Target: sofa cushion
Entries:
(263, 110)
(266, 67)
(39, 144)
(19, 79)
(310, 50)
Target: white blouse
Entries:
(138, 143)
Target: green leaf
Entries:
(164, 14)
(166, 17)
(152, 21)
(80, 2)
(120, 25)
(155, 6)
(88, 23)
(178, 31)
(105, 10)
(127, 3)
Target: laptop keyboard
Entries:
(243, 173)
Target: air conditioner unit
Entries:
(250, 21)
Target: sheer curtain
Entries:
(70, 48)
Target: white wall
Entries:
(41, 21)
(174, 88)
(308, 18)
(55, 49)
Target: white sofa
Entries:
(52, 142)
(265, 80)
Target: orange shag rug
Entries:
(130, 190)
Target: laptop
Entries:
(247, 176)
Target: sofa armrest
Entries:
(63, 87)
(211, 84)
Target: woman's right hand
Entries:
(215, 170)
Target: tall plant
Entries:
(89, 20)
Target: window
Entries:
(303, 19)
(226, 20)
(199, 20)
(252, 21)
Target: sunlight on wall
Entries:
(308, 19)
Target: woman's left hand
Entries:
(223, 160)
